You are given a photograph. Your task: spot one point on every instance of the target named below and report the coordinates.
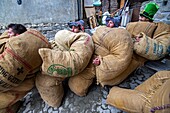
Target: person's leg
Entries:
(126, 99)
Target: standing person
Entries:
(15, 29)
(148, 13)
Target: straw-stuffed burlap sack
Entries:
(74, 53)
(153, 49)
(80, 83)
(136, 62)
(3, 39)
(4, 35)
(150, 96)
(50, 89)
(161, 27)
(12, 109)
(10, 97)
(135, 28)
(115, 48)
(130, 101)
(20, 57)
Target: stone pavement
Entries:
(95, 101)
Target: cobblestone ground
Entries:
(94, 102)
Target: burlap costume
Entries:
(150, 96)
(135, 28)
(117, 74)
(18, 62)
(154, 41)
(153, 94)
(114, 47)
(3, 39)
(70, 55)
(156, 47)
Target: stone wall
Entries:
(38, 11)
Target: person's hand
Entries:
(96, 61)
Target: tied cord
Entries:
(159, 108)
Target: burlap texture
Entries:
(10, 97)
(135, 28)
(136, 62)
(150, 95)
(157, 90)
(153, 49)
(130, 101)
(160, 98)
(80, 83)
(72, 56)
(20, 57)
(4, 35)
(3, 39)
(12, 109)
(161, 27)
(50, 89)
(154, 82)
(115, 48)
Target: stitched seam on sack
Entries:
(18, 58)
